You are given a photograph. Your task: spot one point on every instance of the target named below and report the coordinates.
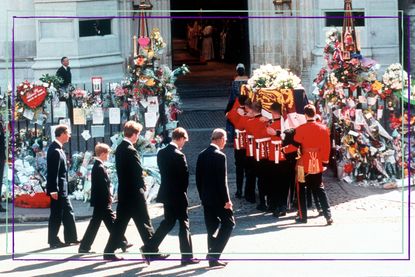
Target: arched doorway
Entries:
(211, 43)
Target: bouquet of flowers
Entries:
(79, 97)
(394, 78)
(273, 77)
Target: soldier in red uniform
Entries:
(255, 162)
(278, 165)
(235, 117)
(314, 139)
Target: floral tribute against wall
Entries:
(363, 109)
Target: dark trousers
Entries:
(313, 182)
(137, 210)
(171, 214)
(99, 214)
(312, 195)
(263, 183)
(2, 163)
(240, 156)
(61, 211)
(291, 164)
(251, 178)
(215, 216)
(279, 183)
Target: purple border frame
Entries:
(407, 18)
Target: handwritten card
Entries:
(150, 119)
(29, 114)
(114, 115)
(98, 116)
(98, 131)
(86, 135)
(60, 110)
(67, 122)
(79, 116)
(153, 104)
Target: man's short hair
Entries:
(63, 59)
(131, 127)
(101, 148)
(179, 133)
(60, 129)
(242, 99)
(218, 134)
(310, 110)
(276, 107)
(248, 102)
(256, 106)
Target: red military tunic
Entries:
(276, 150)
(257, 138)
(315, 146)
(238, 122)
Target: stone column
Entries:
(282, 40)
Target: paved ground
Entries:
(370, 223)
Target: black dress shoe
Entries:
(190, 261)
(329, 221)
(57, 245)
(261, 207)
(75, 242)
(84, 251)
(112, 258)
(300, 220)
(216, 263)
(145, 257)
(126, 246)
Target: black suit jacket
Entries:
(2, 144)
(57, 171)
(174, 177)
(211, 177)
(130, 174)
(100, 186)
(66, 75)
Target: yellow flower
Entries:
(377, 86)
(150, 82)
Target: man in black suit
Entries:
(2, 160)
(131, 188)
(65, 72)
(212, 184)
(101, 200)
(61, 210)
(173, 194)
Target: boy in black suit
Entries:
(173, 194)
(212, 184)
(131, 188)
(101, 200)
(61, 210)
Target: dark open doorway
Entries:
(211, 43)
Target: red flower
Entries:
(348, 168)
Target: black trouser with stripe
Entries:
(313, 182)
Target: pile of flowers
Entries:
(273, 77)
